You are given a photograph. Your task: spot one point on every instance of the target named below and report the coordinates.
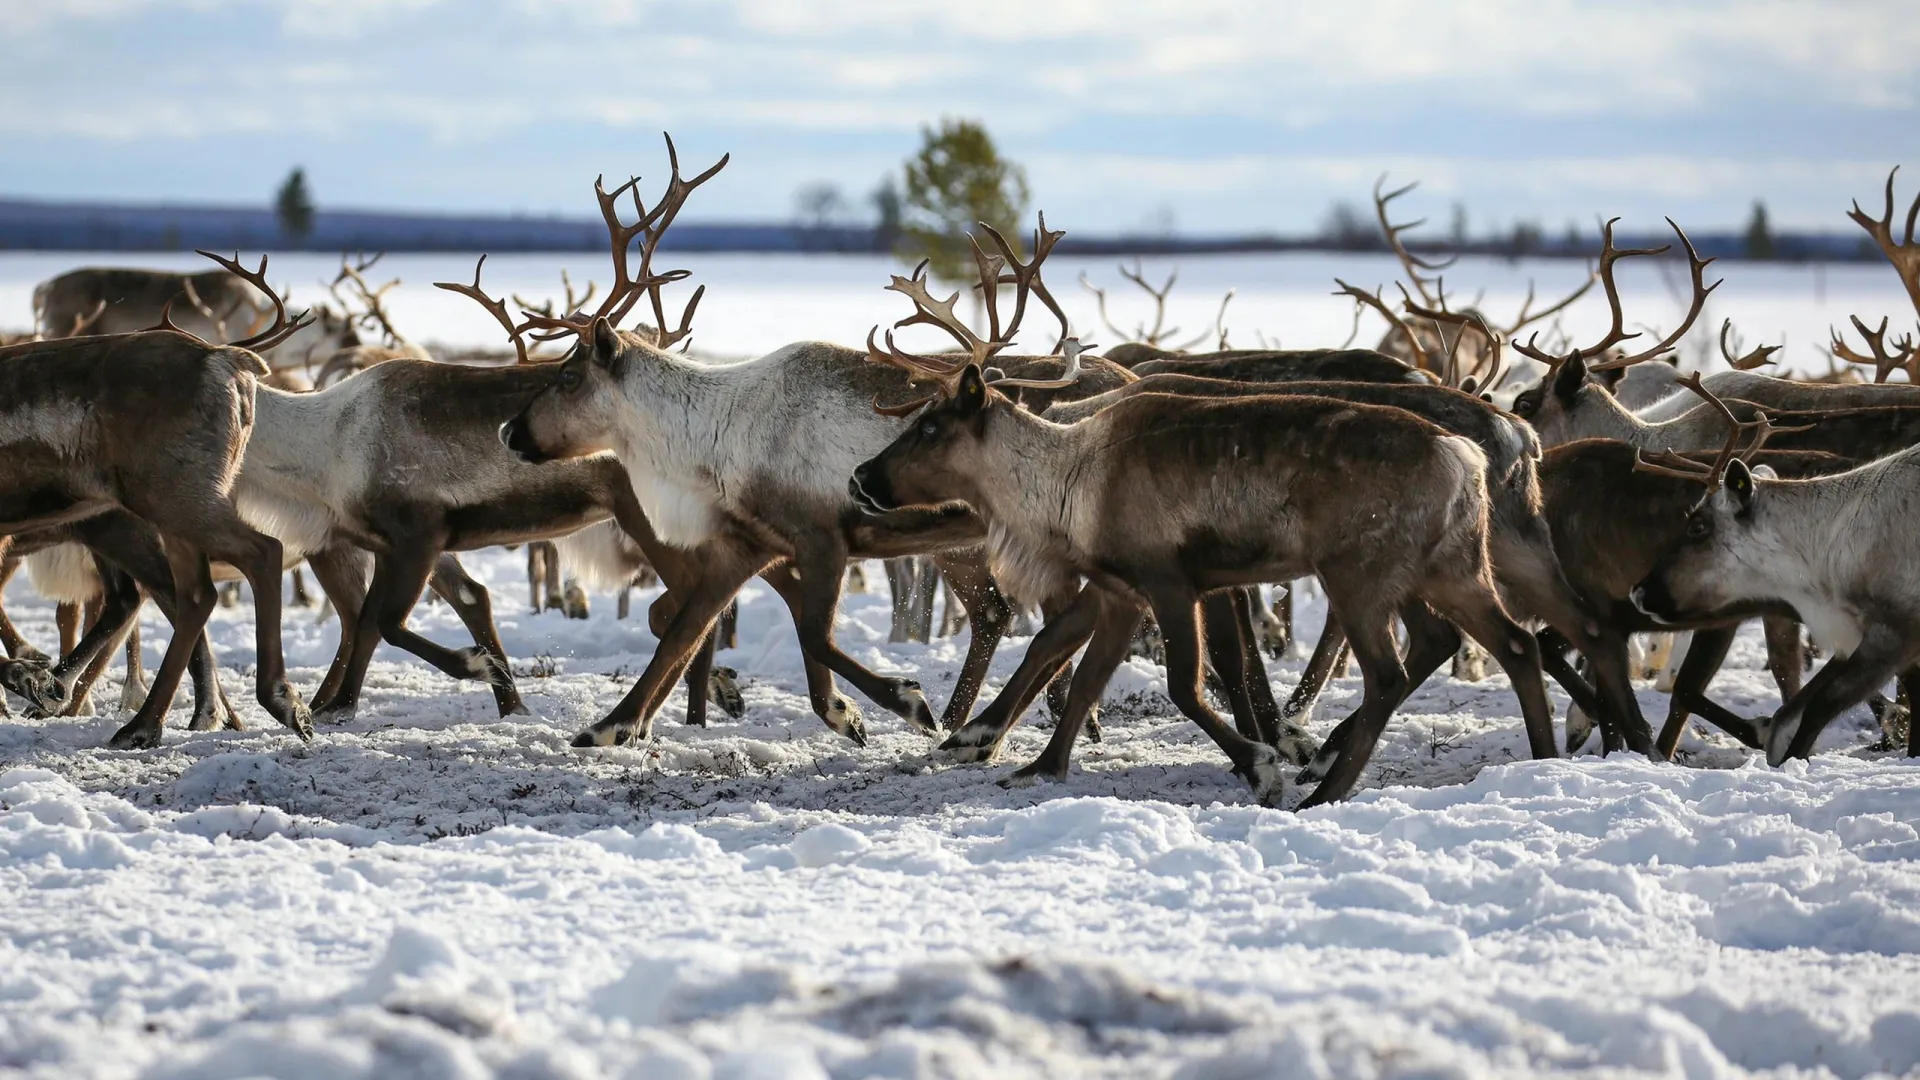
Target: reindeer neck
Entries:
(1037, 466)
(683, 411)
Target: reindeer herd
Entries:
(163, 432)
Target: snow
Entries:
(432, 891)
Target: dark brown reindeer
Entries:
(153, 423)
(1524, 560)
(1162, 499)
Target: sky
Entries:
(1205, 116)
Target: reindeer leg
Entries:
(66, 619)
(727, 566)
(989, 615)
(1370, 636)
(343, 574)
(1176, 609)
(10, 639)
(1221, 630)
(834, 709)
(1704, 657)
(821, 562)
(1786, 654)
(1473, 606)
(408, 570)
(1844, 681)
(133, 691)
(1910, 689)
(1431, 641)
(980, 738)
(259, 558)
(193, 601)
(471, 602)
(1313, 679)
(1115, 618)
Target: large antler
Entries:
(1903, 354)
(1904, 254)
(628, 286)
(495, 308)
(1413, 264)
(282, 327)
(1617, 332)
(995, 270)
(1671, 464)
(1372, 299)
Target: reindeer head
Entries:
(1723, 552)
(584, 405)
(937, 459)
(579, 412)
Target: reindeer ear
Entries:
(1570, 377)
(1739, 484)
(972, 395)
(606, 344)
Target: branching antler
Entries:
(1671, 464)
(1761, 356)
(1413, 264)
(1528, 316)
(1157, 334)
(1885, 359)
(995, 270)
(1617, 332)
(1372, 300)
(495, 308)
(628, 286)
(282, 327)
(375, 314)
(1904, 254)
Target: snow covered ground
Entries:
(432, 892)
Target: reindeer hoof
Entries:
(723, 687)
(1262, 774)
(1318, 767)
(1092, 730)
(843, 716)
(917, 712)
(974, 744)
(137, 735)
(1579, 728)
(1296, 746)
(616, 735)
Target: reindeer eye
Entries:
(928, 429)
(1698, 526)
(569, 378)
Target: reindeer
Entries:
(152, 423)
(1613, 520)
(1524, 560)
(1164, 499)
(214, 305)
(1831, 550)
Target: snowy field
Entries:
(756, 303)
(432, 892)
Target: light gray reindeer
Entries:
(1836, 551)
(744, 465)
